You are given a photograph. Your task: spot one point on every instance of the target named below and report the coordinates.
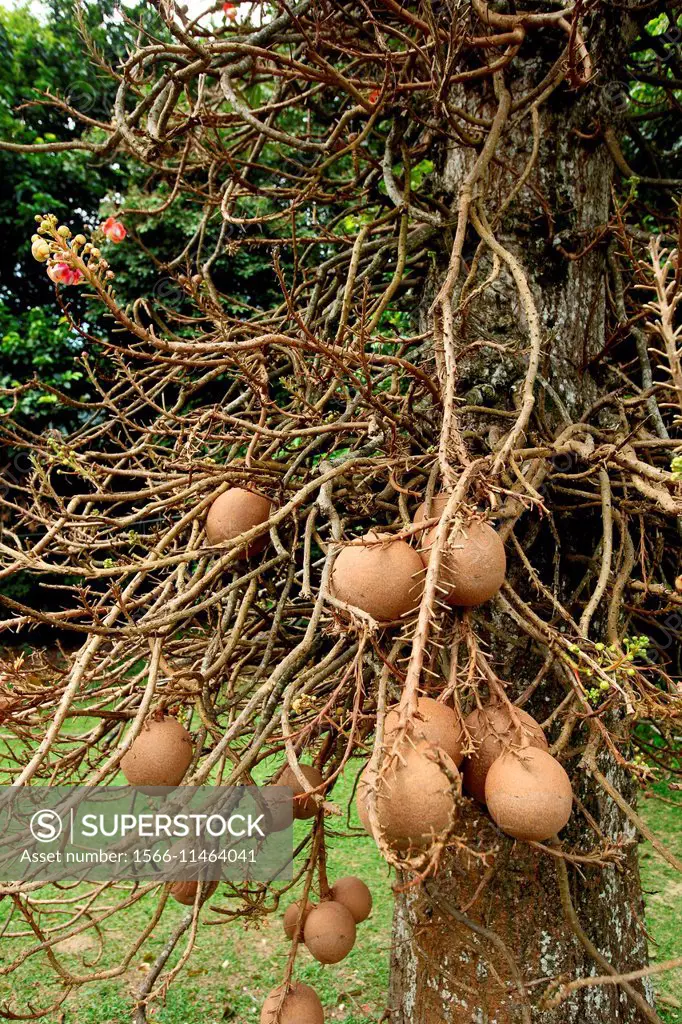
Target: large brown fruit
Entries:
(185, 892)
(492, 732)
(434, 722)
(301, 1006)
(304, 803)
(160, 755)
(473, 563)
(353, 894)
(291, 915)
(329, 932)
(277, 807)
(529, 794)
(438, 503)
(385, 580)
(415, 799)
(233, 513)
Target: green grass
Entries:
(663, 896)
(234, 966)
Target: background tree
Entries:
(42, 59)
(452, 200)
(43, 62)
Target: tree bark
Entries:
(481, 941)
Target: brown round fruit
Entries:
(492, 732)
(160, 755)
(438, 503)
(185, 892)
(304, 804)
(473, 563)
(436, 723)
(291, 916)
(415, 798)
(529, 794)
(233, 513)
(277, 807)
(301, 1006)
(353, 894)
(385, 580)
(329, 932)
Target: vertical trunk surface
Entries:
(482, 940)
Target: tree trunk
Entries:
(481, 941)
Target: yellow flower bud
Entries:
(40, 250)
(79, 239)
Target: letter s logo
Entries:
(46, 826)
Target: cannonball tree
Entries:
(410, 513)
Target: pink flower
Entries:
(230, 11)
(114, 230)
(62, 273)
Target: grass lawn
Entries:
(232, 967)
(663, 889)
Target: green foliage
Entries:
(39, 56)
(40, 344)
(655, 58)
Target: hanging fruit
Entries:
(473, 563)
(380, 575)
(529, 794)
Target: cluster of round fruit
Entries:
(526, 791)
(414, 795)
(328, 930)
(161, 754)
(472, 568)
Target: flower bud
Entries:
(40, 250)
(63, 231)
